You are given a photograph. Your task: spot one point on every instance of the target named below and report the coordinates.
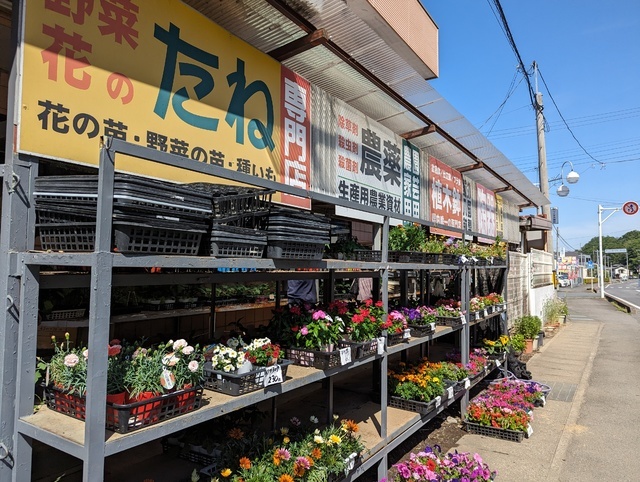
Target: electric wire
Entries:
(512, 88)
(565, 122)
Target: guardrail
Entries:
(628, 307)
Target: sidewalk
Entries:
(588, 430)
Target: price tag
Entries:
(486, 313)
(544, 400)
(498, 363)
(406, 334)
(167, 379)
(529, 430)
(463, 319)
(438, 401)
(345, 355)
(433, 326)
(467, 383)
(273, 375)
(449, 392)
(381, 341)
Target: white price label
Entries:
(463, 320)
(498, 363)
(381, 342)
(273, 375)
(167, 379)
(467, 383)
(433, 327)
(438, 401)
(486, 313)
(407, 334)
(544, 400)
(529, 430)
(345, 355)
(450, 392)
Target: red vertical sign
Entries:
(296, 136)
(445, 197)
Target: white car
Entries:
(564, 282)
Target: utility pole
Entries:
(542, 161)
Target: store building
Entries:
(325, 102)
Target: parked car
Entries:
(563, 281)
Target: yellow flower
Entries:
(284, 431)
(286, 440)
(435, 379)
(226, 472)
(335, 439)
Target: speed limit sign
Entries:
(630, 208)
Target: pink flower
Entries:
(318, 315)
(193, 366)
(304, 331)
(85, 354)
(170, 360)
(179, 344)
(188, 350)
(71, 360)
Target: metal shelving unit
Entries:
(88, 441)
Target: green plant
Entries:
(322, 330)
(554, 308)
(144, 371)
(185, 362)
(433, 244)
(517, 342)
(68, 367)
(528, 326)
(407, 238)
(365, 323)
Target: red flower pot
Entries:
(185, 402)
(146, 413)
(112, 413)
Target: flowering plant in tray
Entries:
(431, 465)
(366, 321)
(261, 352)
(320, 333)
(396, 322)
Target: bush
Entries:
(528, 326)
(553, 309)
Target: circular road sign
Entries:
(630, 208)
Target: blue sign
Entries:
(589, 264)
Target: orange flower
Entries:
(245, 463)
(316, 453)
(285, 478)
(298, 470)
(350, 426)
(226, 472)
(236, 433)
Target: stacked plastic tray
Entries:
(238, 217)
(295, 234)
(149, 216)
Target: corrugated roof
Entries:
(262, 25)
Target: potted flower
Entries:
(497, 348)
(366, 321)
(449, 312)
(405, 241)
(225, 359)
(68, 374)
(433, 465)
(321, 333)
(421, 320)
(262, 353)
(144, 381)
(396, 325)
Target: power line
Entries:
(565, 122)
(512, 88)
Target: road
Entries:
(626, 290)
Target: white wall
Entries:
(538, 297)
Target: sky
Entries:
(588, 55)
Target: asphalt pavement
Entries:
(589, 429)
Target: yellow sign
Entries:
(155, 73)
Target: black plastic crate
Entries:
(322, 360)
(412, 405)
(501, 433)
(368, 255)
(138, 238)
(283, 248)
(67, 237)
(235, 384)
(131, 416)
(231, 201)
(236, 242)
(406, 257)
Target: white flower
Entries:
(71, 360)
(188, 350)
(85, 354)
(179, 344)
(170, 359)
(313, 419)
(193, 366)
(318, 439)
(228, 368)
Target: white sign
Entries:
(345, 355)
(630, 208)
(273, 375)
